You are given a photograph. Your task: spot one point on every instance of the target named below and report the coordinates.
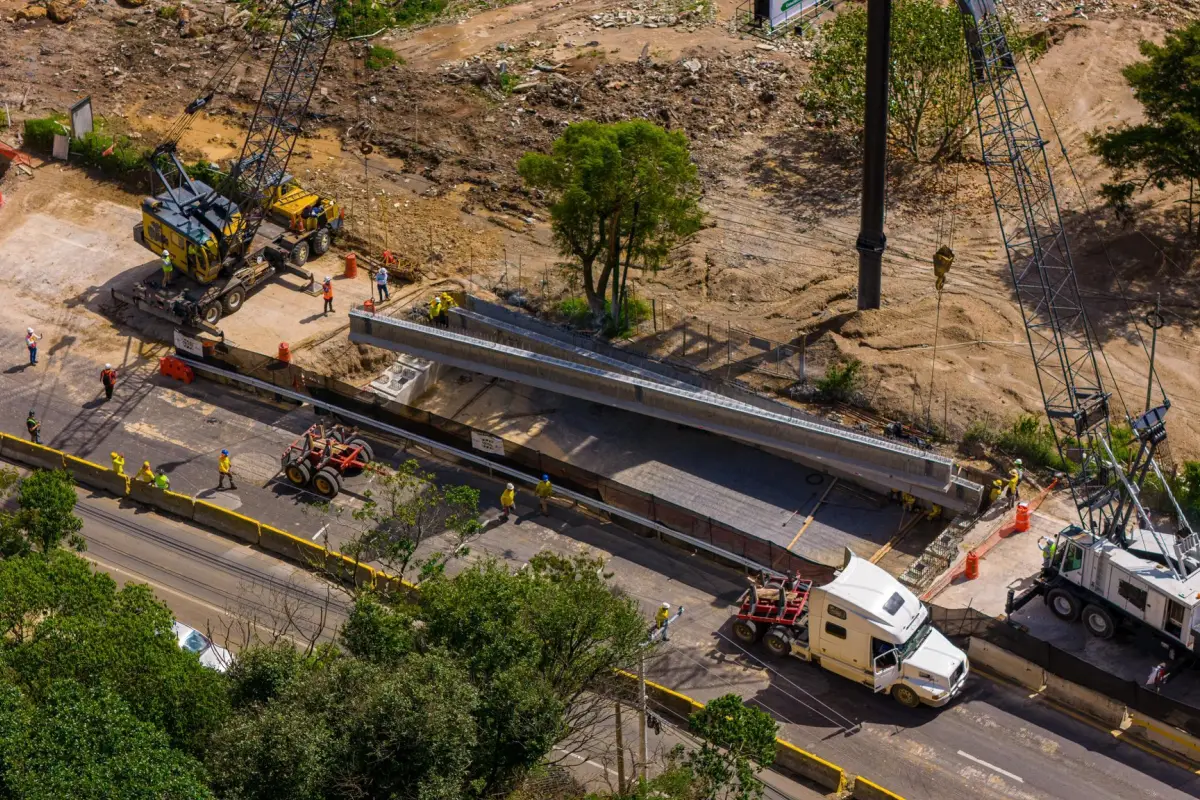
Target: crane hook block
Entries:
(942, 260)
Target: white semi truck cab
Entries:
(864, 625)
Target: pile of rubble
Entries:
(649, 17)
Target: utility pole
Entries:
(620, 752)
(871, 239)
(643, 739)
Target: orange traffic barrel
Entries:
(351, 265)
(1022, 523)
(972, 566)
(285, 353)
(369, 306)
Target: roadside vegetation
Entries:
(461, 692)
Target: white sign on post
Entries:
(188, 345)
(488, 444)
(783, 10)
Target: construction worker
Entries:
(145, 474)
(544, 492)
(446, 304)
(118, 462)
(1014, 479)
(508, 500)
(435, 308)
(1048, 547)
(161, 480)
(31, 340)
(168, 267)
(108, 377)
(934, 512)
(1019, 466)
(327, 293)
(225, 470)
(34, 427)
(381, 284)
(662, 620)
(997, 491)
(908, 501)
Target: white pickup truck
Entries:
(864, 625)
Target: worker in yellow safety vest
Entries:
(997, 491)
(118, 462)
(162, 481)
(544, 492)
(907, 501)
(1014, 478)
(508, 500)
(662, 619)
(435, 308)
(145, 473)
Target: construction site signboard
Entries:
(487, 444)
(783, 10)
(186, 344)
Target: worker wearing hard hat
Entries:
(662, 619)
(997, 491)
(508, 500)
(118, 462)
(327, 293)
(145, 473)
(435, 308)
(544, 491)
(1014, 480)
(168, 267)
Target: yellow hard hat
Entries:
(115, 454)
(997, 482)
(146, 464)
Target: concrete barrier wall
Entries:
(1164, 736)
(1111, 712)
(179, 505)
(1006, 665)
(292, 548)
(226, 521)
(815, 768)
(30, 454)
(95, 476)
(869, 790)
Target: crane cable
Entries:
(1103, 246)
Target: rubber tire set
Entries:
(1069, 608)
(326, 481)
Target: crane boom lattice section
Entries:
(304, 41)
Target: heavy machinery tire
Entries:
(321, 240)
(327, 483)
(778, 641)
(745, 630)
(211, 313)
(299, 254)
(368, 454)
(233, 299)
(298, 473)
(1098, 621)
(905, 696)
(1063, 604)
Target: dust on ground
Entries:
(438, 187)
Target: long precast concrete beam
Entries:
(876, 461)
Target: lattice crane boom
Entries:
(1106, 492)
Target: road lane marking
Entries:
(318, 533)
(992, 767)
(585, 760)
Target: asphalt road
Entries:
(993, 742)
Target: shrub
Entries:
(978, 433)
(124, 158)
(576, 311)
(381, 58)
(416, 12)
(39, 133)
(841, 381)
(1032, 441)
(167, 12)
(507, 82)
(362, 17)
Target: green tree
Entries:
(407, 508)
(738, 741)
(618, 191)
(1165, 148)
(85, 744)
(47, 504)
(929, 87)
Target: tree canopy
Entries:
(929, 88)
(1165, 148)
(618, 191)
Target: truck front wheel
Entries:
(905, 696)
(299, 254)
(1063, 604)
(1098, 622)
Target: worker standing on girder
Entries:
(435, 309)
(381, 284)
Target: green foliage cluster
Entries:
(40, 133)
(381, 58)
(929, 92)
(841, 381)
(167, 12)
(89, 150)
(365, 17)
(619, 193)
(1165, 147)
(44, 518)
(577, 313)
(1029, 439)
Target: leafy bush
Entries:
(124, 158)
(39, 133)
(576, 311)
(1032, 441)
(416, 12)
(167, 12)
(840, 381)
(381, 58)
(362, 17)
(204, 171)
(507, 82)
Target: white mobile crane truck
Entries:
(1116, 568)
(864, 625)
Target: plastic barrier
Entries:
(869, 790)
(30, 454)
(226, 521)
(95, 476)
(179, 505)
(815, 768)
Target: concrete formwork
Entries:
(823, 446)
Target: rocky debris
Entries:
(63, 11)
(648, 16)
(31, 13)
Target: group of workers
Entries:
(1009, 488)
(162, 481)
(439, 309)
(543, 491)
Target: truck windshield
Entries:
(916, 640)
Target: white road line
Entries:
(585, 760)
(318, 533)
(992, 767)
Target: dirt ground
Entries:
(439, 187)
